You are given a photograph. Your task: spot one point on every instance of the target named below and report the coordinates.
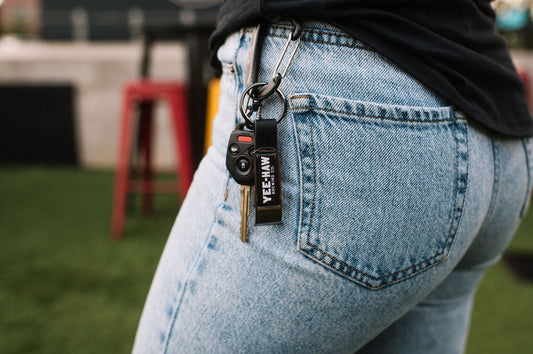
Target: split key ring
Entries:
(247, 110)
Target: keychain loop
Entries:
(248, 93)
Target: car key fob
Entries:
(239, 157)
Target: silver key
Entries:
(245, 211)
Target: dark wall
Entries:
(37, 124)
(108, 5)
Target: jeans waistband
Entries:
(361, 73)
(315, 31)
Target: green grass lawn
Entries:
(65, 287)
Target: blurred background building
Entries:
(63, 64)
(514, 22)
(21, 17)
(99, 20)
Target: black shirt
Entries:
(449, 45)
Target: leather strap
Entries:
(266, 135)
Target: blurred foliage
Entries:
(65, 286)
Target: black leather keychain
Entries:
(267, 173)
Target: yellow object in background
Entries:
(213, 95)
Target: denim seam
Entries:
(453, 231)
(326, 42)
(228, 68)
(456, 215)
(239, 77)
(496, 177)
(313, 199)
(526, 144)
(310, 107)
(309, 30)
(314, 181)
(301, 178)
(214, 223)
(193, 267)
(320, 41)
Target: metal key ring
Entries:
(247, 93)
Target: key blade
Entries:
(245, 211)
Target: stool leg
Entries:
(122, 171)
(183, 148)
(146, 136)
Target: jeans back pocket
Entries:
(382, 186)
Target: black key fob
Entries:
(239, 156)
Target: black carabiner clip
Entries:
(297, 31)
(264, 92)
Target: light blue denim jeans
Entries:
(394, 205)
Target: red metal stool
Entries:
(142, 95)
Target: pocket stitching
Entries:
(310, 107)
(314, 181)
(455, 218)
